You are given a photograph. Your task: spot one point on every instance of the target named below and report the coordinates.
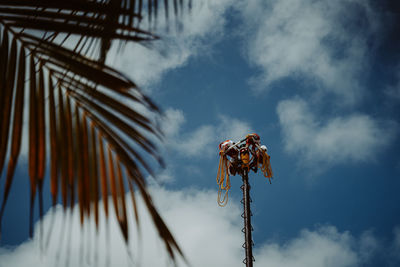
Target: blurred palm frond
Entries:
(84, 121)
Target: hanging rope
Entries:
(223, 176)
(264, 162)
(223, 173)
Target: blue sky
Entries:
(319, 81)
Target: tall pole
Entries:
(235, 158)
(248, 245)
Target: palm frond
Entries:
(17, 130)
(75, 107)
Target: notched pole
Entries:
(248, 245)
(240, 158)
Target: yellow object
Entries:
(223, 176)
(245, 157)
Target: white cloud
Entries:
(323, 247)
(396, 244)
(193, 143)
(314, 40)
(209, 235)
(201, 28)
(355, 137)
(203, 140)
(231, 128)
(172, 121)
(196, 143)
(369, 246)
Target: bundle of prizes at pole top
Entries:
(237, 158)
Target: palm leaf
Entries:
(17, 130)
(54, 147)
(5, 99)
(62, 144)
(94, 181)
(81, 96)
(33, 138)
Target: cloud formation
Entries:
(204, 139)
(396, 244)
(146, 66)
(325, 46)
(314, 41)
(355, 137)
(323, 247)
(209, 235)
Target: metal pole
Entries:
(248, 245)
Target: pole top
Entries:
(236, 157)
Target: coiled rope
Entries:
(223, 176)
